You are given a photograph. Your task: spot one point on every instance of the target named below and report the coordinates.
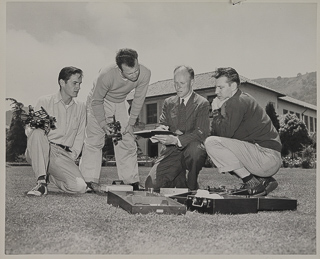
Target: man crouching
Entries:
(52, 154)
(244, 140)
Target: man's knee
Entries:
(80, 186)
(213, 144)
(212, 140)
(92, 145)
(95, 137)
(37, 135)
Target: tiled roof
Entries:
(301, 103)
(205, 81)
(202, 81)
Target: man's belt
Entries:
(62, 146)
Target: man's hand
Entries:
(162, 127)
(128, 129)
(179, 132)
(216, 104)
(107, 130)
(166, 139)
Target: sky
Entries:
(258, 39)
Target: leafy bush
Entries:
(308, 156)
(21, 159)
(16, 140)
(306, 164)
(291, 162)
(293, 134)
(307, 159)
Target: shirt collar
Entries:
(58, 98)
(186, 99)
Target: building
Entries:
(204, 85)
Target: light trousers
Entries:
(48, 159)
(231, 154)
(125, 150)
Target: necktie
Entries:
(182, 117)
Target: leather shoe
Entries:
(269, 183)
(137, 187)
(93, 187)
(257, 190)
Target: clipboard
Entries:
(151, 133)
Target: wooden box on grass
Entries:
(145, 202)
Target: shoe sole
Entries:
(264, 193)
(36, 194)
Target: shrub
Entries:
(291, 162)
(308, 156)
(306, 164)
(293, 134)
(21, 159)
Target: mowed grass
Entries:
(86, 224)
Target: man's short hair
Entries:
(127, 57)
(230, 73)
(189, 70)
(67, 72)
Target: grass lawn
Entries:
(86, 224)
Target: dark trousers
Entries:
(177, 167)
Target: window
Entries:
(315, 124)
(152, 149)
(306, 121)
(311, 124)
(285, 111)
(152, 113)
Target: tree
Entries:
(273, 115)
(16, 139)
(293, 134)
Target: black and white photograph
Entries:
(159, 128)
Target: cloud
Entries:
(259, 40)
(33, 66)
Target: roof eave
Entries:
(265, 88)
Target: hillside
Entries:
(301, 87)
